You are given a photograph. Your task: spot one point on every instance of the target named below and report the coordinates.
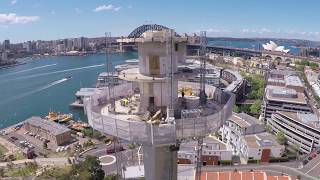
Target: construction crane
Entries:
(109, 70)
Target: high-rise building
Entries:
(82, 43)
(6, 44)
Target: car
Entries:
(58, 149)
(13, 138)
(113, 150)
(304, 162)
(26, 133)
(309, 158)
(314, 155)
(318, 152)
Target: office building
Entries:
(283, 99)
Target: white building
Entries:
(238, 125)
(272, 46)
(213, 150)
(300, 129)
(260, 147)
(245, 134)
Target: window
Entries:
(176, 45)
(154, 65)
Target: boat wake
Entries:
(36, 90)
(55, 72)
(27, 70)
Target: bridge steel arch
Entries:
(144, 28)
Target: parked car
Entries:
(318, 152)
(309, 158)
(14, 138)
(304, 162)
(314, 155)
(113, 150)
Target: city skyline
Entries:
(47, 20)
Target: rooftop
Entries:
(281, 94)
(293, 80)
(262, 140)
(88, 91)
(240, 175)
(243, 120)
(213, 144)
(308, 119)
(52, 127)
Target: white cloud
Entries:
(53, 12)
(78, 10)
(12, 18)
(109, 7)
(13, 2)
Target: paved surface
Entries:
(127, 157)
(313, 167)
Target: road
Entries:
(127, 157)
(312, 168)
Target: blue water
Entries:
(34, 89)
(255, 44)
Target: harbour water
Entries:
(39, 86)
(252, 44)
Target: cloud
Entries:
(53, 12)
(12, 18)
(109, 7)
(78, 10)
(13, 2)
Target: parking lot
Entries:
(24, 139)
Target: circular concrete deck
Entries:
(107, 160)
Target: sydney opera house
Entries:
(272, 46)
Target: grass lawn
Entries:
(56, 172)
(25, 171)
(3, 149)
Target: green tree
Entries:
(111, 177)
(269, 128)
(281, 138)
(131, 146)
(236, 109)
(89, 169)
(256, 107)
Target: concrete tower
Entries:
(147, 109)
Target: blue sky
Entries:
(22, 20)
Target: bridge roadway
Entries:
(254, 52)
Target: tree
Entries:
(269, 128)
(281, 138)
(131, 146)
(236, 109)
(255, 108)
(90, 166)
(111, 177)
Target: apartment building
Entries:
(213, 150)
